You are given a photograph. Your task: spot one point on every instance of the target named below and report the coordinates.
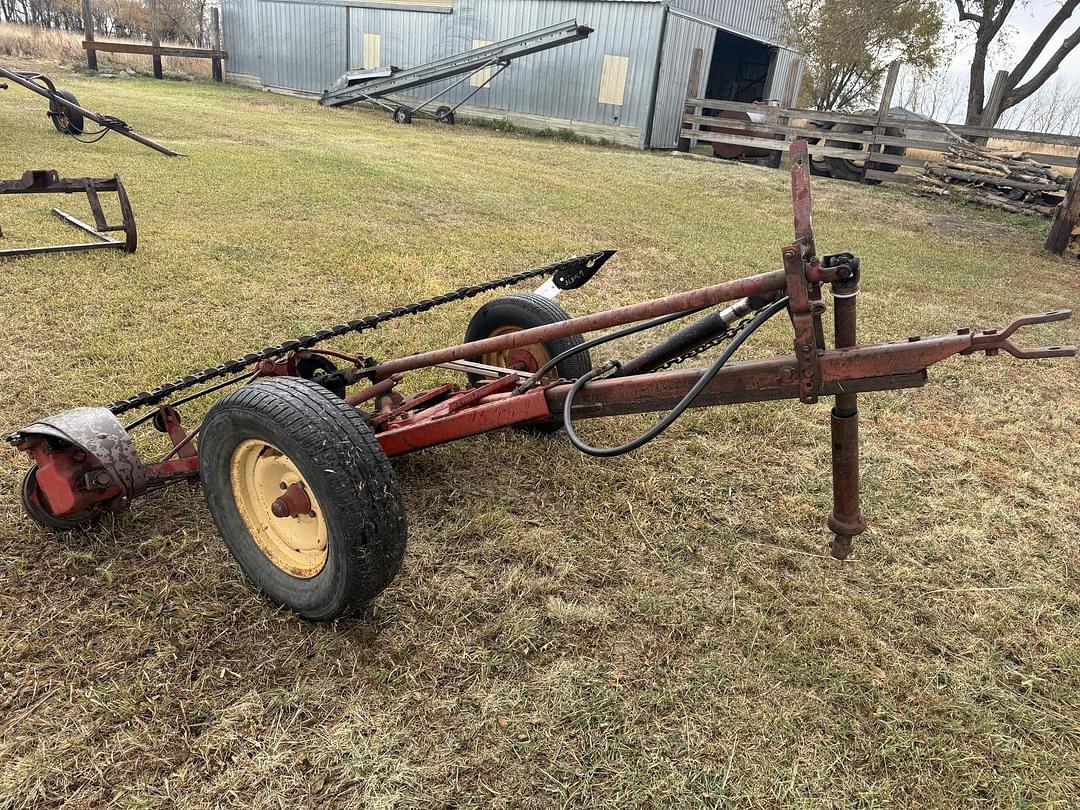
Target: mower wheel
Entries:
(445, 114)
(37, 510)
(303, 496)
(66, 120)
(319, 367)
(402, 115)
(512, 313)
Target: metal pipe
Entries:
(761, 284)
(846, 520)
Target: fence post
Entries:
(215, 64)
(693, 90)
(88, 34)
(882, 115)
(778, 155)
(155, 38)
(992, 109)
(1067, 217)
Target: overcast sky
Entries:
(1025, 21)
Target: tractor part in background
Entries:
(854, 170)
(731, 151)
(69, 117)
(48, 181)
(298, 478)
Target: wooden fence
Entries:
(780, 125)
(155, 50)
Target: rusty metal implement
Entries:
(85, 464)
(48, 181)
(64, 111)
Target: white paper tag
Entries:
(548, 289)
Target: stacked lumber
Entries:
(1011, 181)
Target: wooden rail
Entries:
(150, 50)
(217, 55)
(781, 125)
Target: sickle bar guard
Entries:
(86, 465)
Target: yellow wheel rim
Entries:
(259, 474)
(532, 357)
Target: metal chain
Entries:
(238, 364)
(704, 347)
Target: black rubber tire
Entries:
(347, 472)
(41, 515)
(527, 310)
(844, 169)
(318, 367)
(445, 114)
(67, 121)
(402, 116)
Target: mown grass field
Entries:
(662, 629)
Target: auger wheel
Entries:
(66, 120)
(303, 496)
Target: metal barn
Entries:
(627, 82)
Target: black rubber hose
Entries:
(683, 404)
(596, 341)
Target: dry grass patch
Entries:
(662, 629)
(51, 47)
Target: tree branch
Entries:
(999, 18)
(968, 16)
(1039, 79)
(1041, 41)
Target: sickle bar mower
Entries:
(294, 461)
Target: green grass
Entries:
(663, 629)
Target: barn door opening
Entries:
(740, 68)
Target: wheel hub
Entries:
(278, 507)
(526, 358)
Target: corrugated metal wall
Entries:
(305, 45)
(240, 32)
(560, 83)
(786, 78)
(302, 46)
(680, 40)
(758, 18)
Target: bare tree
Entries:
(986, 19)
(1055, 108)
(936, 94)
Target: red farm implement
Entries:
(294, 461)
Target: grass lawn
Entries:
(664, 628)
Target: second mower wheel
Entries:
(66, 120)
(445, 114)
(402, 116)
(303, 496)
(513, 313)
(321, 369)
(37, 509)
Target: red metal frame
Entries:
(445, 413)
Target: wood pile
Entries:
(1010, 181)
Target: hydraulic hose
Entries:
(680, 407)
(596, 341)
